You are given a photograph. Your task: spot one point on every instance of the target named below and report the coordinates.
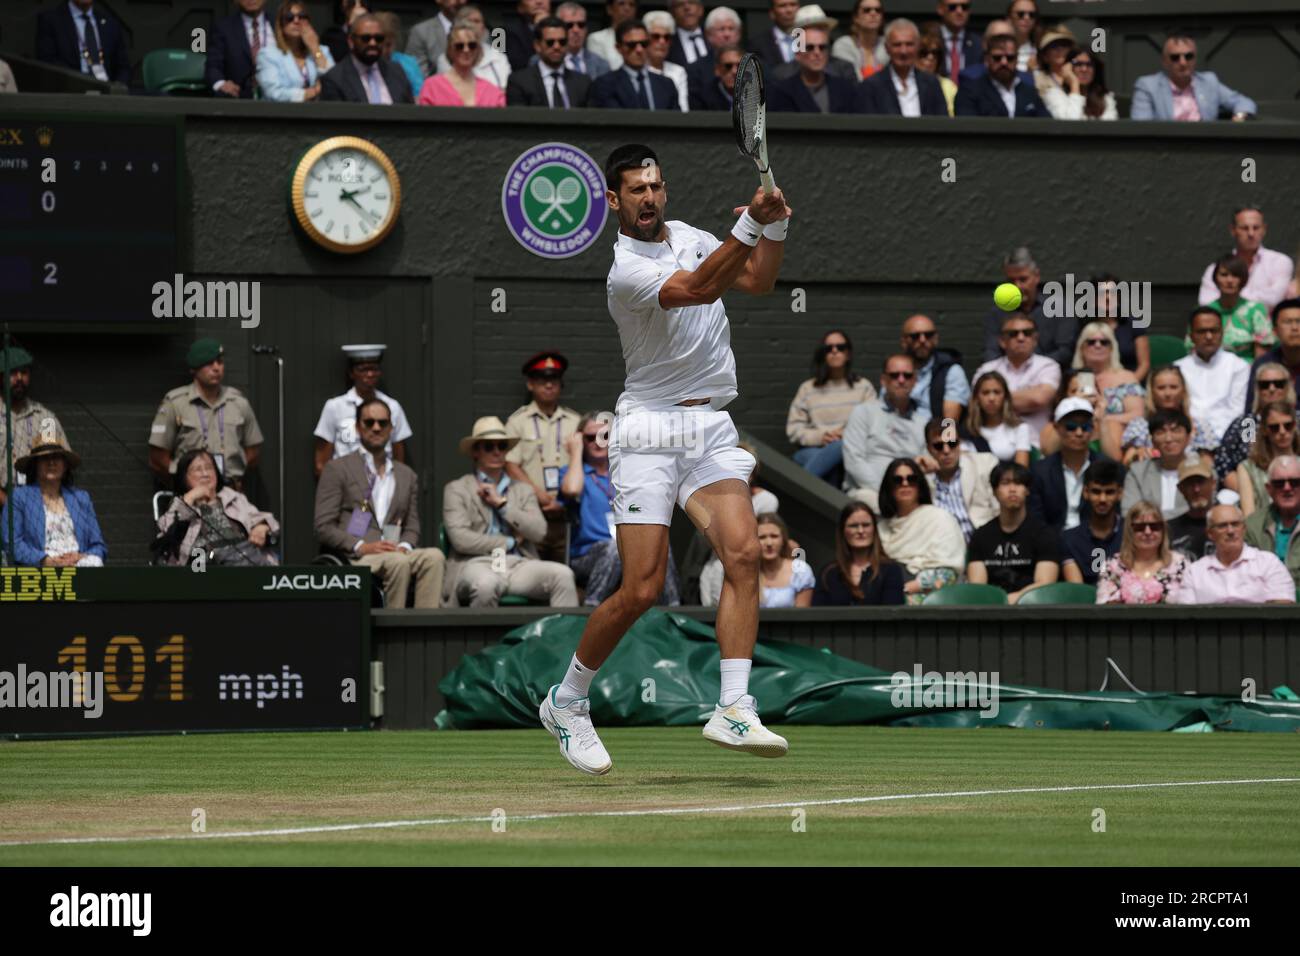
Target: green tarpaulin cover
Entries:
(665, 672)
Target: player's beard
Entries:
(646, 233)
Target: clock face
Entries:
(346, 194)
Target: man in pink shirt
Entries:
(1235, 573)
(1270, 272)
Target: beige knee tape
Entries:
(698, 513)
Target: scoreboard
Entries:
(89, 217)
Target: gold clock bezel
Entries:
(299, 187)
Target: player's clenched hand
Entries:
(767, 207)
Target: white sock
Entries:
(735, 680)
(577, 681)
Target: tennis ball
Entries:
(1007, 297)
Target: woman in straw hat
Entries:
(54, 521)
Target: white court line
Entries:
(673, 811)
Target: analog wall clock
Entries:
(346, 194)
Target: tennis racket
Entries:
(749, 117)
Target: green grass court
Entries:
(139, 787)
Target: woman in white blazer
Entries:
(290, 71)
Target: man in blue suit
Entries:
(900, 89)
(961, 47)
(632, 86)
(1181, 93)
(1001, 91)
(813, 89)
(233, 45)
(78, 35)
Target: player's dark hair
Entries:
(1202, 310)
(1163, 417)
(1283, 306)
(822, 371)
(1012, 470)
(549, 23)
(631, 156)
(888, 505)
(1104, 471)
(373, 401)
(626, 27)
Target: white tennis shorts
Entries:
(659, 456)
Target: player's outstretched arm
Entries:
(721, 270)
(759, 277)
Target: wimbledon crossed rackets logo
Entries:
(553, 200)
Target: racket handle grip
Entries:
(765, 177)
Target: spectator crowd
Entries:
(1068, 453)
(680, 59)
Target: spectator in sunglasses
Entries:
(1273, 528)
(1272, 384)
(1056, 491)
(428, 38)
(1156, 479)
(962, 47)
(924, 539)
(864, 45)
(367, 509)
(1236, 573)
(289, 72)
(494, 526)
(1027, 28)
(940, 387)
(577, 58)
(1278, 435)
(959, 480)
(1016, 551)
(813, 88)
(1184, 94)
(1033, 379)
(660, 29)
(1146, 570)
(929, 56)
(881, 431)
(491, 65)
(1001, 91)
(461, 86)
(365, 76)
(822, 405)
(1119, 395)
(631, 85)
(604, 43)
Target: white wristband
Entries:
(747, 229)
(776, 230)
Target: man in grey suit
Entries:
(428, 39)
(1156, 479)
(493, 528)
(1181, 93)
(367, 507)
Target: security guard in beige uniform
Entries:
(205, 414)
(34, 424)
(542, 426)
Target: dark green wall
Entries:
(877, 235)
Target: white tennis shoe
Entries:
(738, 728)
(571, 727)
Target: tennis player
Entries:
(672, 443)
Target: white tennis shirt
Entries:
(670, 354)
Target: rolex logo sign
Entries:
(44, 135)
